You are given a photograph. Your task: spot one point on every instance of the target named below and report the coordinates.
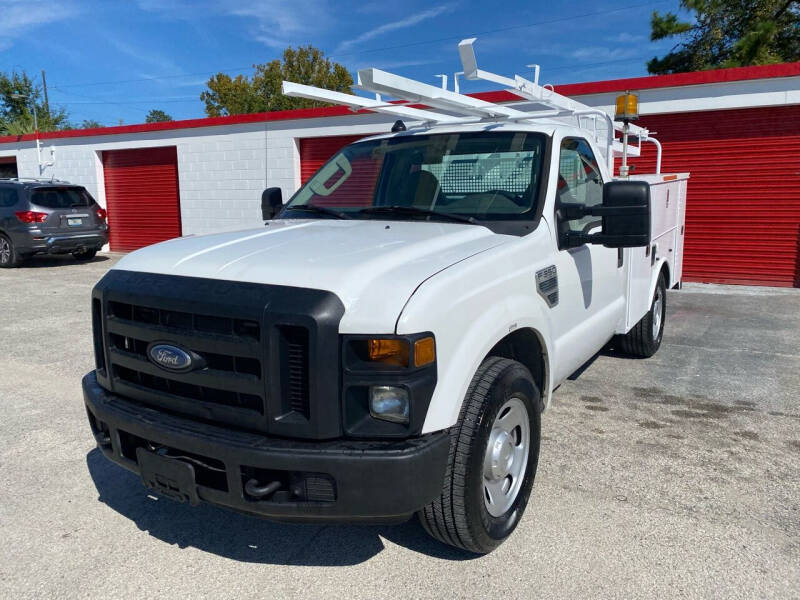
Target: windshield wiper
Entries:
(414, 210)
(319, 209)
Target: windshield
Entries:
(60, 197)
(476, 176)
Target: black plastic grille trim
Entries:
(186, 321)
(294, 356)
(250, 380)
(242, 365)
(189, 391)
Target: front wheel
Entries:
(494, 450)
(644, 339)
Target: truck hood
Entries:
(372, 266)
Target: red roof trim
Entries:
(681, 79)
(574, 89)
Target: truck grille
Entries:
(261, 357)
(232, 379)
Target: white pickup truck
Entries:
(387, 343)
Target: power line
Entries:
(386, 48)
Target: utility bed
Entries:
(667, 224)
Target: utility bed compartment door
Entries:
(667, 214)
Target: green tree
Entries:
(262, 92)
(89, 124)
(727, 33)
(157, 116)
(16, 117)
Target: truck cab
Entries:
(387, 342)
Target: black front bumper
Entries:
(333, 480)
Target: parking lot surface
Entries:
(672, 477)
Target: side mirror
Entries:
(271, 203)
(625, 212)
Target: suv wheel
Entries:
(84, 254)
(494, 450)
(8, 255)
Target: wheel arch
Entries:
(664, 268)
(526, 346)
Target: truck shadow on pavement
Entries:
(250, 539)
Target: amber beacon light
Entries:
(627, 107)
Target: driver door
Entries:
(591, 277)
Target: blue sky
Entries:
(114, 60)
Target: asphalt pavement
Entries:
(672, 477)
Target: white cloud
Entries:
(626, 38)
(409, 21)
(19, 17)
(274, 23)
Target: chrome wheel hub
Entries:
(657, 309)
(506, 457)
(5, 251)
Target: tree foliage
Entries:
(728, 33)
(89, 124)
(262, 92)
(16, 117)
(157, 116)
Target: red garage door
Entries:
(142, 196)
(315, 152)
(743, 203)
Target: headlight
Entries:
(387, 383)
(394, 352)
(388, 351)
(389, 403)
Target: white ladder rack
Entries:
(462, 109)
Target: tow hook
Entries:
(255, 490)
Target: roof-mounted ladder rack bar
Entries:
(452, 107)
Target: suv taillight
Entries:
(101, 213)
(30, 216)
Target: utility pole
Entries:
(44, 85)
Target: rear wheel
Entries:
(644, 339)
(9, 257)
(84, 254)
(494, 450)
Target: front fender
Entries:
(470, 307)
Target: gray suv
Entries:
(48, 217)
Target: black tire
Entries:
(9, 257)
(459, 517)
(642, 340)
(84, 254)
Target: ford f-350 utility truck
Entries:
(387, 342)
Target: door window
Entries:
(8, 197)
(579, 180)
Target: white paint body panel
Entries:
(372, 266)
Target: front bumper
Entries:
(335, 480)
(37, 242)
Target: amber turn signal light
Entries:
(424, 351)
(390, 352)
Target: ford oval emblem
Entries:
(170, 357)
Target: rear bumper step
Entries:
(333, 480)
